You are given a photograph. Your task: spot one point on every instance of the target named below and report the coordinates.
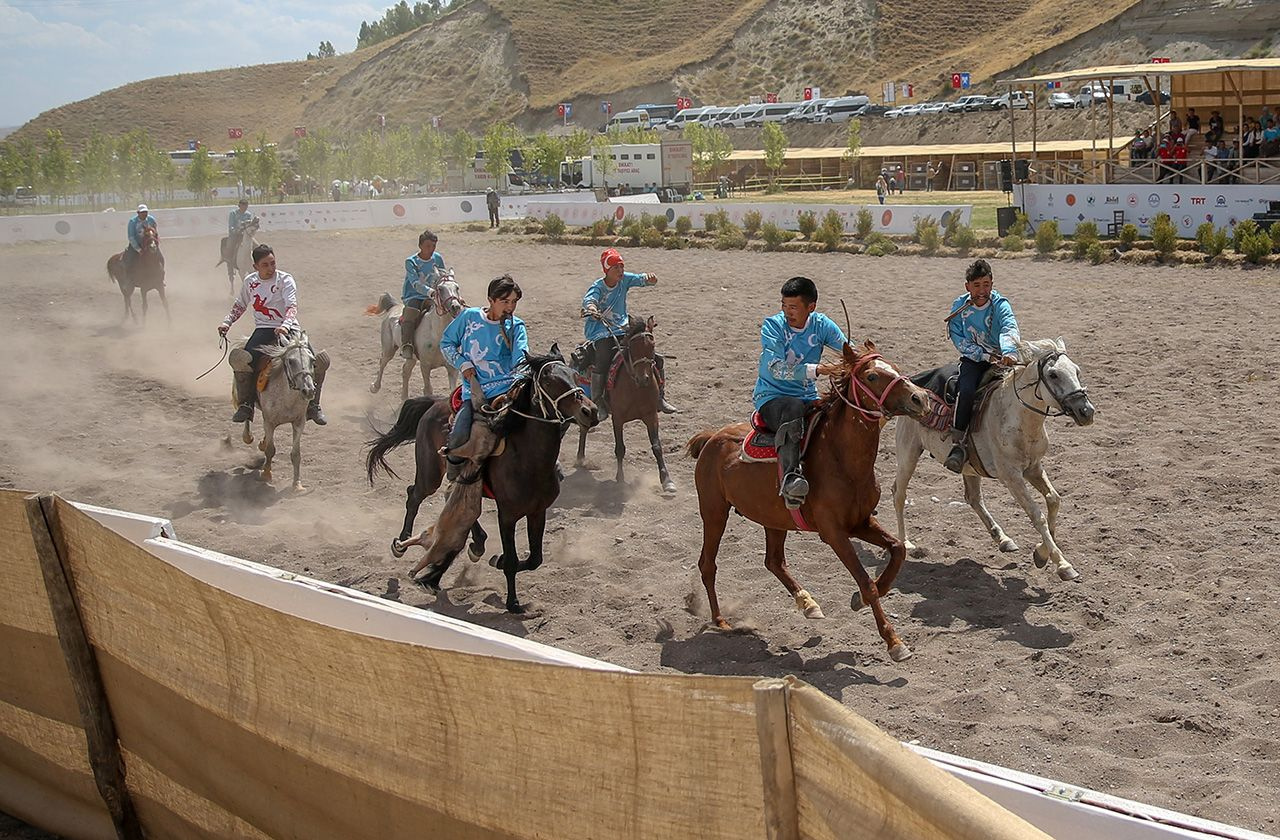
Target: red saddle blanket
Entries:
(758, 445)
(455, 403)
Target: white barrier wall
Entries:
(1188, 205)
(320, 215)
(887, 218)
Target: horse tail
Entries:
(404, 430)
(696, 443)
(384, 303)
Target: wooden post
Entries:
(773, 727)
(105, 758)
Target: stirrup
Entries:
(956, 458)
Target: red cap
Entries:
(610, 258)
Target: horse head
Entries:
(299, 363)
(1055, 378)
(150, 240)
(553, 391)
(874, 388)
(447, 296)
(250, 227)
(640, 347)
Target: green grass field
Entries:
(984, 202)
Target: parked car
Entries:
(877, 110)
(910, 110)
(1061, 99)
(740, 117)
(1016, 99)
(1145, 97)
(933, 108)
(894, 113)
(970, 102)
(1091, 95)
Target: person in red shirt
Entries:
(1179, 157)
(1166, 161)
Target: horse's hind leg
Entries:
(909, 449)
(165, 302)
(128, 305)
(973, 495)
(869, 591)
(1039, 479)
(426, 375)
(715, 516)
(775, 560)
(377, 380)
(268, 446)
(619, 445)
(582, 447)
(478, 538)
(296, 456)
(1049, 548)
(655, 444)
(143, 294)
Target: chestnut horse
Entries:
(840, 466)
(147, 274)
(634, 395)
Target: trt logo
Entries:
(1197, 199)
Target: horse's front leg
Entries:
(655, 444)
(582, 446)
(973, 495)
(128, 305)
(296, 456)
(870, 593)
(453, 378)
(872, 532)
(268, 447)
(143, 293)
(536, 527)
(619, 444)
(168, 317)
(509, 561)
(406, 372)
(426, 374)
(1039, 479)
(383, 359)
(1048, 548)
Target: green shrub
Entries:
(882, 243)
(807, 222)
(1164, 235)
(600, 228)
(773, 236)
(1096, 252)
(475, 227)
(1019, 226)
(730, 238)
(1129, 234)
(833, 221)
(1013, 242)
(927, 235)
(876, 251)
(612, 229)
(651, 238)
(963, 239)
(646, 221)
(660, 223)
(1210, 240)
(829, 237)
(532, 226)
(1246, 228)
(751, 222)
(631, 231)
(1255, 246)
(774, 189)
(949, 232)
(862, 226)
(553, 226)
(1047, 237)
(1086, 234)
(714, 221)
(1275, 237)
(674, 242)
(683, 225)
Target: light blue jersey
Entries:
(612, 304)
(982, 333)
(235, 219)
(789, 357)
(421, 276)
(136, 225)
(473, 341)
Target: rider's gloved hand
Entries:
(223, 329)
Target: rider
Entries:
(790, 363)
(273, 296)
(235, 225)
(983, 329)
(136, 226)
(421, 273)
(604, 307)
(485, 345)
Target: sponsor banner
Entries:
(1188, 205)
(888, 218)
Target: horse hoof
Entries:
(496, 561)
(668, 487)
(807, 605)
(266, 476)
(1068, 573)
(721, 624)
(298, 488)
(474, 554)
(900, 652)
(1040, 557)
(917, 551)
(262, 446)
(247, 438)
(433, 588)
(517, 608)
(1008, 545)
(373, 389)
(397, 550)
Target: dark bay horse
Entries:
(840, 466)
(523, 477)
(634, 395)
(146, 275)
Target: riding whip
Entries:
(222, 342)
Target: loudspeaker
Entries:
(1022, 169)
(1006, 217)
(1006, 176)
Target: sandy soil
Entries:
(1152, 678)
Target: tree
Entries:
(26, 162)
(242, 165)
(326, 50)
(8, 169)
(462, 148)
(500, 140)
(853, 145)
(578, 144)
(711, 146)
(429, 153)
(95, 165)
(369, 158)
(266, 166)
(314, 158)
(602, 155)
(548, 152)
(200, 175)
(56, 164)
(775, 149)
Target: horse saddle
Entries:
(943, 384)
(455, 403)
(759, 445)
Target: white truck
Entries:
(635, 165)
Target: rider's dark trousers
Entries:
(462, 425)
(261, 336)
(604, 349)
(971, 373)
(781, 410)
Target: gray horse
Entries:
(240, 263)
(446, 304)
(291, 385)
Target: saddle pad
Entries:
(264, 373)
(939, 414)
(455, 399)
(758, 446)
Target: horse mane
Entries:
(1030, 351)
(635, 326)
(276, 352)
(529, 367)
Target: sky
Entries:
(60, 51)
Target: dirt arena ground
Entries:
(1154, 677)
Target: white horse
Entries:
(1010, 441)
(291, 385)
(445, 304)
(241, 262)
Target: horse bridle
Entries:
(438, 303)
(1041, 364)
(858, 389)
(544, 401)
(293, 336)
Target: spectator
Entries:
(1179, 157)
(1165, 170)
(930, 173)
(882, 187)
(1175, 124)
(1193, 122)
(1227, 162)
(1215, 127)
(1251, 139)
(1270, 139)
(901, 178)
(1140, 146)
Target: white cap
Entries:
(142, 208)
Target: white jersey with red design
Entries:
(274, 302)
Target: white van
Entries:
(712, 115)
(774, 112)
(1017, 99)
(738, 117)
(808, 112)
(845, 108)
(628, 119)
(1120, 90)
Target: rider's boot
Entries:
(409, 319)
(663, 406)
(599, 392)
(794, 487)
(314, 412)
(247, 393)
(959, 453)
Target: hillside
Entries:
(516, 59)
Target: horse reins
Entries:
(857, 388)
(1044, 362)
(542, 399)
(225, 345)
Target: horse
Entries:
(291, 385)
(146, 275)
(446, 304)
(633, 395)
(1009, 440)
(522, 477)
(840, 466)
(241, 262)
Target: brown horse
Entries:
(840, 466)
(146, 275)
(634, 395)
